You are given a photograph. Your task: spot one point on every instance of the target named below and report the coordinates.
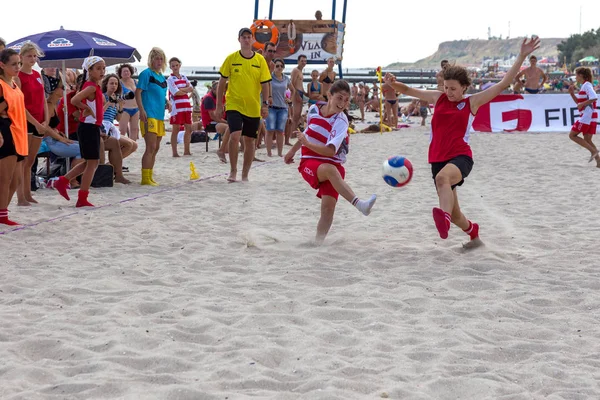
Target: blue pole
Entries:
(344, 12)
(333, 11)
(256, 9)
(270, 10)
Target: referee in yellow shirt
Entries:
(248, 75)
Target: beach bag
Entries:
(58, 167)
(199, 136)
(104, 176)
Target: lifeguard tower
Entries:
(318, 40)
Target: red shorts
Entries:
(181, 118)
(586, 129)
(308, 168)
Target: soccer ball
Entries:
(397, 171)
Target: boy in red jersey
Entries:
(450, 155)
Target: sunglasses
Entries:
(270, 51)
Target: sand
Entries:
(210, 290)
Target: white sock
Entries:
(364, 206)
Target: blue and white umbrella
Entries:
(68, 49)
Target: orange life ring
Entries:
(274, 33)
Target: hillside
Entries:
(472, 52)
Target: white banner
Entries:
(313, 46)
(527, 113)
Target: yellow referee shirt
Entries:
(245, 78)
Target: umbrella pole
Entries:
(66, 109)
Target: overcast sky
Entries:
(396, 30)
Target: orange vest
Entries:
(16, 113)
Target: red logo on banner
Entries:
(483, 120)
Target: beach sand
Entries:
(210, 290)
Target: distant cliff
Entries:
(472, 52)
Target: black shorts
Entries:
(31, 129)
(8, 148)
(239, 122)
(463, 163)
(211, 128)
(88, 136)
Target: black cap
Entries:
(244, 30)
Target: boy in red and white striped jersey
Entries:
(588, 119)
(181, 108)
(324, 146)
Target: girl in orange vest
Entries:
(13, 125)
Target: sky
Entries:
(395, 31)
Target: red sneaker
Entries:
(4, 218)
(6, 221)
(61, 185)
(82, 200)
(472, 231)
(442, 221)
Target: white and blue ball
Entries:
(397, 171)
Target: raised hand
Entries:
(529, 46)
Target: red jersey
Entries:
(450, 130)
(97, 105)
(60, 111)
(32, 87)
(208, 103)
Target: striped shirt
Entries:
(588, 114)
(110, 114)
(179, 103)
(331, 130)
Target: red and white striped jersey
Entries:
(588, 114)
(325, 131)
(178, 103)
